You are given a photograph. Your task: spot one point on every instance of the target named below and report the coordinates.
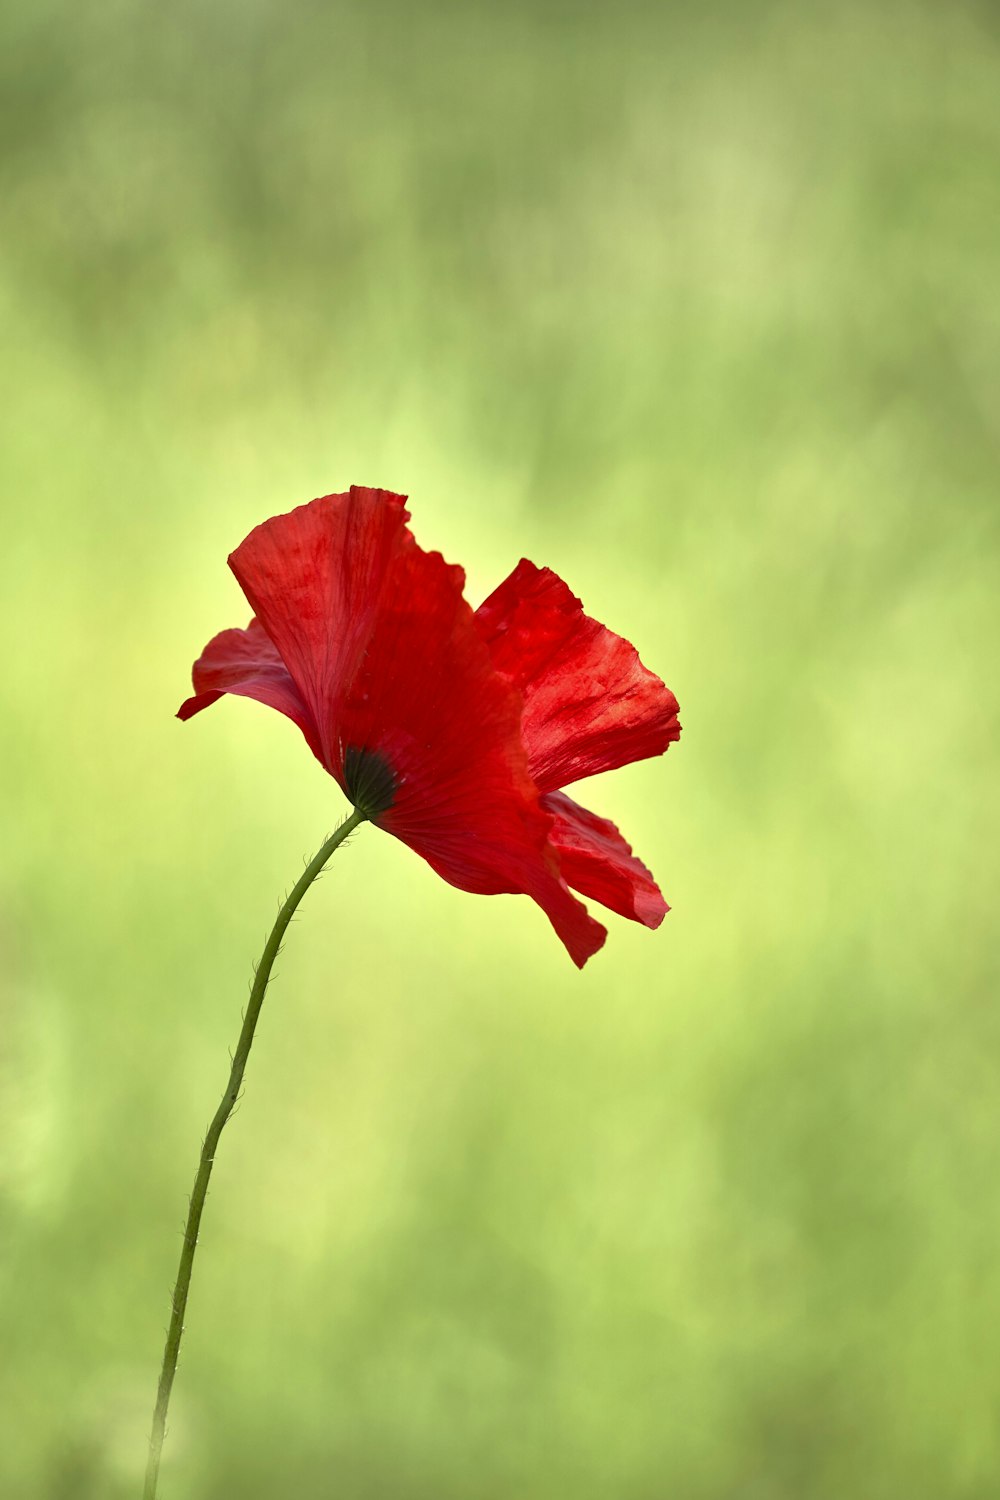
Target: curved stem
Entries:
(215, 1129)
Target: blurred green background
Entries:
(698, 305)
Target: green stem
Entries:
(208, 1149)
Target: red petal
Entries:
(386, 652)
(589, 703)
(427, 700)
(596, 861)
(246, 662)
(315, 577)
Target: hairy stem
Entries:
(207, 1159)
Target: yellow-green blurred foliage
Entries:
(698, 305)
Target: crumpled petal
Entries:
(589, 703)
(385, 652)
(596, 861)
(246, 662)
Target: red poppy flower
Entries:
(450, 729)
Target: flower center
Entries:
(370, 781)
